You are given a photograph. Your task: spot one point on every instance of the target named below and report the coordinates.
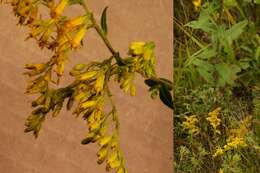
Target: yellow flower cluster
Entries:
(144, 57)
(214, 120)
(59, 34)
(236, 137)
(191, 124)
(90, 93)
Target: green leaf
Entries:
(227, 73)
(104, 20)
(166, 96)
(206, 75)
(235, 31)
(204, 21)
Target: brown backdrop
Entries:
(146, 125)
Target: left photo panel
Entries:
(86, 86)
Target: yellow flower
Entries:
(214, 120)
(137, 48)
(87, 75)
(235, 142)
(88, 104)
(132, 90)
(197, 4)
(100, 82)
(75, 42)
(113, 164)
(121, 170)
(102, 154)
(77, 21)
(59, 8)
(105, 140)
(218, 152)
(37, 67)
(190, 124)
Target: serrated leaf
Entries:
(166, 96)
(104, 20)
(227, 73)
(235, 31)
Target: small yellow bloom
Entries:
(113, 164)
(102, 154)
(137, 48)
(197, 4)
(105, 140)
(88, 104)
(87, 75)
(132, 90)
(59, 8)
(235, 142)
(218, 152)
(77, 21)
(75, 42)
(36, 67)
(190, 124)
(112, 157)
(214, 120)
(99, 85)
(120, 170)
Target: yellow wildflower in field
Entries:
(197, 4)
(243, 127)
(234, 143)
(214, 120)
(219, 151)
(190, 124)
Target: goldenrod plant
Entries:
(89, 92)
(216, 86)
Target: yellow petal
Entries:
(100, 83)
(105, 140)
(59, 8)
(88, 104)
(137, 48)
(87, 75)
(75, 42)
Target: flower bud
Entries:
(102, 154)
(105, 140)
(87, 75)
(88, 104)
(100, 83)
(59, 8)
(75, 42)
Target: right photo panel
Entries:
(216, 86)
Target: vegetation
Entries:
(216, 86)
(89, 92)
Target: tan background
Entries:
(146, 125)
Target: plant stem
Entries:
(100, 32)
